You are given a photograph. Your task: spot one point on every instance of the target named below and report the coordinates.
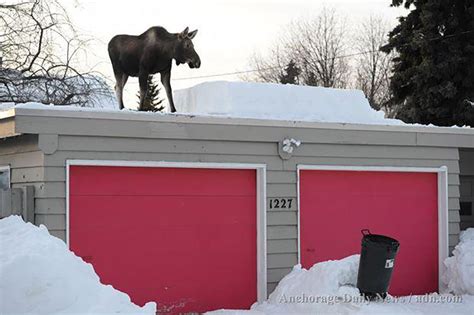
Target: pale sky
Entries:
(230, 31)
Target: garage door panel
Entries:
(118, 181)
(390, 180)
(181, 239)
(173, 249)
(336, 205)
(104, 208)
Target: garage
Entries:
(40, 145)
(336, 203)
(171, 233)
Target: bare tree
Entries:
(373, 67)
(316, 46)
(268, 69)
(320, 43)
(40, 51)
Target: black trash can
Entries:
(377, 259)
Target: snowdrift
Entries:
(333, 277)
(39, 275)
(314, 290)
(280, 102)
(329, 288)
(460, 266)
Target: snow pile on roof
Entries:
(460, 266)
(280, 102)
(40, 275)
(329, 288)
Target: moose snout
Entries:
(196, 63)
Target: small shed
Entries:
(199, 212)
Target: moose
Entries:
(150, 53)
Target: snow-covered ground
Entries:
(279, 102)
(39, 275)
(330, 288)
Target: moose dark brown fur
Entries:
(150, 53)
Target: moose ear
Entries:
(184, 33)
(192, 34)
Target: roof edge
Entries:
(218, 120)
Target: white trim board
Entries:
(261, 202)
(443, 233)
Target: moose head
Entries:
(184, 52)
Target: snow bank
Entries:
(280, 102)
(40, 275)
(314, 290)
(333, 277)
(460, 267)
(329, 288)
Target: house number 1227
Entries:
(280, 203)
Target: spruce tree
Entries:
(433, 79)
(311, 80)
(153, 103)
(291, 75)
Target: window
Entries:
(466, 208)
(4, 177)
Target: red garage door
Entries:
(336, 205)
(183, 237)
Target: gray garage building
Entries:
(38, 147)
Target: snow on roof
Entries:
(279, 102)
(263, 101)
(246, 101)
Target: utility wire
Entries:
(222, 74)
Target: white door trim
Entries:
(443, 236)
(261, 202)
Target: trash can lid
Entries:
(380, 240)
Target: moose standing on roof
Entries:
(150, 53)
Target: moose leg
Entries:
(165, 80)
(120, 80)
(143, 80)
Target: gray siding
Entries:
(26, 162)
(281, 175)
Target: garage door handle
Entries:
(311, 250)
